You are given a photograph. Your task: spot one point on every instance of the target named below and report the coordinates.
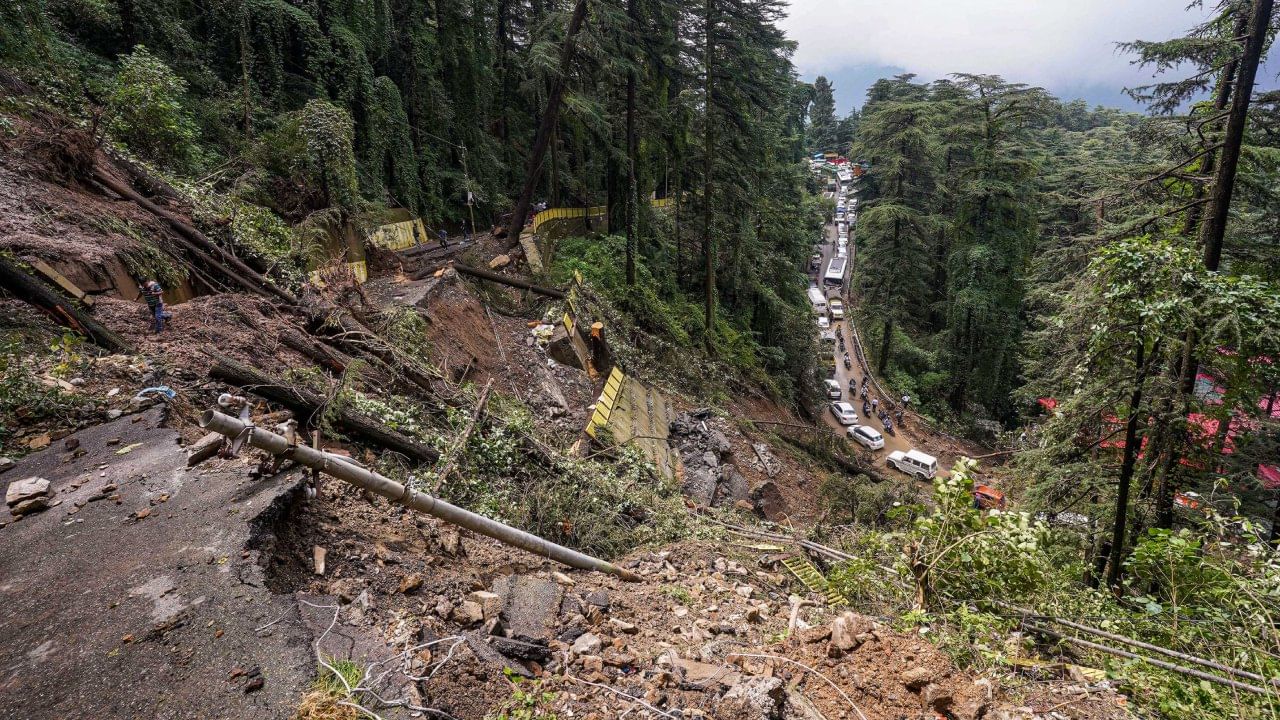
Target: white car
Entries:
(833, 389)
(844, 412)
(866, 436)
(915, 463)
(823, 322)
(837, 309)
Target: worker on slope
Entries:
(154, 295)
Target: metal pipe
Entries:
(343, 469)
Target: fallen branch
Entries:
(625, 696)
(508, 280)
(307, 405)
(200, 245)
(1171, 667)
(466, 435)
(30, 290)
(1027, 614)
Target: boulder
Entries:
(7, 463)
(468, 613)
(490, 603)
(29, 506)
(26, 489)
(499, 262)
(587, 644)
(916, 677)
(755, 698)
(732, 488)
(845, 632)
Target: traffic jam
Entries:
(848, 379)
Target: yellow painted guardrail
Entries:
(608, 398)
(590, 212)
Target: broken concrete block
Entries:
(490, 603)
(468, 613)
(26, 489)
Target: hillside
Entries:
(555, 360)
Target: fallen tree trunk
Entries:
(200, 244)
(327, 357)
(508, 280)
(461, 446)
(306, 405)
(358, 339)
(28, 289)
(343, 469)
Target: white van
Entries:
(915, 463)
(834, 391)
(818, 300)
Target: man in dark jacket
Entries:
(154, 295)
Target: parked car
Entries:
(823, 322)
(833, 389)
(844, 413)
(837, 309)
(866, 436)
(815, 261)
(915, 463)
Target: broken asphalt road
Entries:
(106, 614)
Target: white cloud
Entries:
(1053, 43)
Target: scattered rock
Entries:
(32, 505)
(702, 675)
(916, 677)
(598, 598)
(587, 644)
(530, 606)
(770, 503)
(592, 663)
(410, 583)
(114, 414)
(39, 442)
(557, 576)
(27, 496)
(499, 262)
(468, 613)
(623, 626)
(845, 632)
(7, 463)
(70, 444)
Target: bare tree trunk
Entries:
(1215, 223)
(547, 124)
(1130, 461)
(708, 183)
(632, 199)
(30, 290)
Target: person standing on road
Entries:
(444, 238)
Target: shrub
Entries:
(145, 111)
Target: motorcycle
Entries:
(847, 365)
(866, 409)
(888, 426)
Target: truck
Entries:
(834, 274)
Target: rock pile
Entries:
(710, 476)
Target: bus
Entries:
(835, 271)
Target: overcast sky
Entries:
(1066, 46)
